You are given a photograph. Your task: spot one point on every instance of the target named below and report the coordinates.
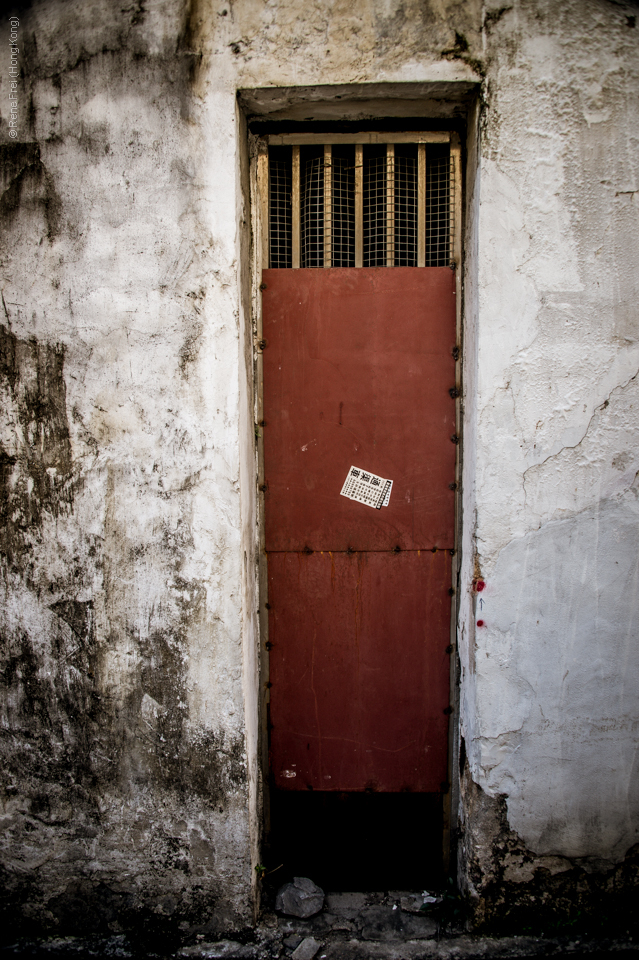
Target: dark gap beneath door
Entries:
(357, 841)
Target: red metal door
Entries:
(358, 366)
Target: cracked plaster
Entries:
(549, 682)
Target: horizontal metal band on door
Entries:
(370, 204)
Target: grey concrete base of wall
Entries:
(511, 890)
(91, 909)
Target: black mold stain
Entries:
(28, 184)
(493, 17)
(19, 7)
(70, 907)
(35, 473)
(189, 350)
(460, 51)
(88, 908)
(50, 716)
(187, 763)
(461, 43)
(14, 158)
(77, 615)
(139, 13)
(94, 140)
(70, 738)
(50, 710)
(148, 734)
(189, 42)
(27, 699)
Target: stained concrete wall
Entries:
(125, 591)
(130, 652)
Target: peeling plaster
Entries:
(549, 694)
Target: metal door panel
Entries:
(358, 366)
(359, 668)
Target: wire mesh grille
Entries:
(312, 211)
(390, 185)
(280, 211)
(343, 210)
(375, 197)
(438, 207)
(405, 207)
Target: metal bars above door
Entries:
(361, 204)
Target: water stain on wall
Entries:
(48, 702)
(28, 184)
(35, 464)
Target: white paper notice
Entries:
(367, 488)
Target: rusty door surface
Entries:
(358, 367)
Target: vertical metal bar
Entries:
(421, 205)
(328, 203)
(390, 204)
(455, 202)
(359, 205)
(263, 194)
(295, 204)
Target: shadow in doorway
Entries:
(357, 841)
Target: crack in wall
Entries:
(602, 406)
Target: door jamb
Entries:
(451, 796)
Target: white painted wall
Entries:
(551, 689)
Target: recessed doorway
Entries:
(359, 373)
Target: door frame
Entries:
(259, 206)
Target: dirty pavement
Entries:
(395, 925)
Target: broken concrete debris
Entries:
(379, 929)
(292, 942)
(221, 950)
(345, 905)
(416, 902)
(301, 898)
(387, 923)
(307, 949)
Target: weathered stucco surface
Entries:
(551, 680)
(129, 653)
(123, 717)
